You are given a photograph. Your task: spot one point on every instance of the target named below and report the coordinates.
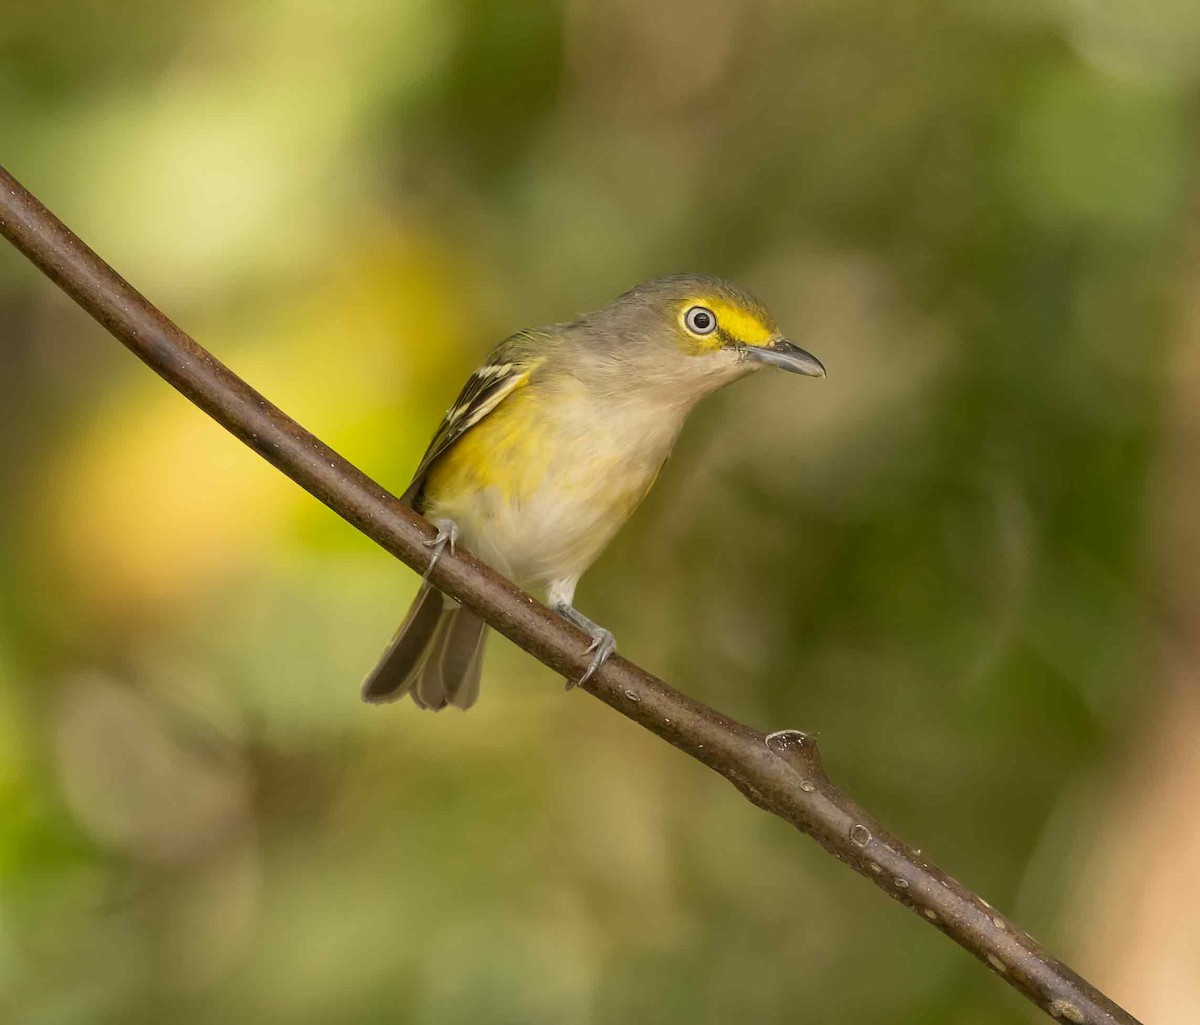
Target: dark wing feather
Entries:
(508, 367)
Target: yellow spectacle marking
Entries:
(737, 322)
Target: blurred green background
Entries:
(967, 559)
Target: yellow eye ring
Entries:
(700, 320)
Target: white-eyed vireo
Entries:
(552, 444)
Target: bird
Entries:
(551, 445)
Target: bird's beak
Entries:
(783, 354)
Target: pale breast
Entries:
(541, 485)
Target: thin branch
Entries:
(780, 772)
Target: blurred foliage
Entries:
(976, 212)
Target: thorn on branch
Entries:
(799, 750)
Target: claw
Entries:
(447, 535)
(603, 644)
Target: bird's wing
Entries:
(507, 368)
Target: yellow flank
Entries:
(505, 452)
(735, 321)
(542, 447)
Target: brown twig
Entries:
(780, 772)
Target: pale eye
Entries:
(700, 320)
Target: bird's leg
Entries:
(447, 535)
(603, 643)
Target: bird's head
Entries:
(698, 333)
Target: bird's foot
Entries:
(603, 643)
(446, 537)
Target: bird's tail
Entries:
(436, 655)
